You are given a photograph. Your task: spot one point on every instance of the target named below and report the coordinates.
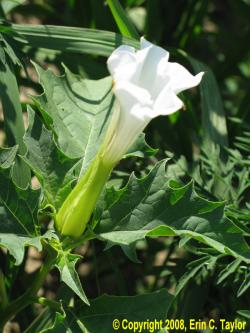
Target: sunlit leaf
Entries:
(153, 207)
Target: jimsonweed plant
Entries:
(97, 228)
(145, 85)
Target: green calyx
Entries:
(74, 214)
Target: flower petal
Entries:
(131, 98)
(128, 128)
(145, 43)
(167, 102)
(134, 111)
(180, 78)
(122, 63)
(148, 60)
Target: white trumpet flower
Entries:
(146, 85)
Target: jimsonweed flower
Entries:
(146, 85)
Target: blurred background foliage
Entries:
(208, 142)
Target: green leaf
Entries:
(13, 120)
(140, 148)
(53, 169)
(11, 50)
(14, 238)
(153, 206)
(245, 284)
(16, 243)
(123, 22)
(18, 211)
(99, 316)
(79, 110)
(101, 313)
(213, 115)
(244, 313)
(21, 205)
(69, 39)
(66, 264)
(58, 325)
(190, 274)
(7, 157)
(45, 320)
(228, 270)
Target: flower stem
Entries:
(29, 296)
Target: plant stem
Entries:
(28, 297)
(3, 293)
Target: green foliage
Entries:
(66, 264)
(186, 220)
(99, 316)
(72, 39)
(154, 207)
(77, 111)
(122, 20)
(18, 212)
(12, 110)
(130, 308)
(54, 171)
(213, 115)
